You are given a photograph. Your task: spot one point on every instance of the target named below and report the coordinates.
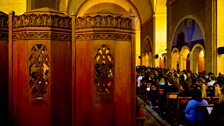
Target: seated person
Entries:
(193, 116)
(217, 89)
(184, 92)
(161, 83)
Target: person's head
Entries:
(196, 94)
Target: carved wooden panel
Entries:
(42, 20)
(60, 27)
(103, 21)
(103, 72)
(39, 73)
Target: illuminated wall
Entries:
(145, 60)
(183, 57)
(160, 25)
(147, 37)
(220, 35)
(201, 61)
(19, 6)
(138, 42)
(197, 63)
(175, 59)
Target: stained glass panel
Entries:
(103, 71)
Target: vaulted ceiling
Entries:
(143, 9)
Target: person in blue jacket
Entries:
(194, 116)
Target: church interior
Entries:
(76, 62)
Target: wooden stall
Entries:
(40, 68)
(3, 68)
(104, 70)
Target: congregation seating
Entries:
(176, 104)
(206, 110)
(215, 100)
(182, 102)
(171, 96)
(161, 91)
(170, 91)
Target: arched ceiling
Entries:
(106, 8)
(143, 9)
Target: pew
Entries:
(215, 100)
(182, 101)
(161, 91)
(171, 96)
(206, 110)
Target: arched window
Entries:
(103, 71)
(38, 72)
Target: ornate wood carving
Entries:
(42, 27)
(103, 73)
(41, 35)
(103, 21)
(42, 20)
(103, 36)
(103, 27)
(39, 73)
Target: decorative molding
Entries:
(42, 20)
(103, 27)
(103, 36)
(103, 21)
(41, 35)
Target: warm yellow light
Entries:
(183, 58)
(220, 35)
(201, 54)
(160, 35)
(138, 42)
(19, 6)
(201, 61)
(175, 59)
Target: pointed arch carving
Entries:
(104, 75)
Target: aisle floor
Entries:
(151, 117)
